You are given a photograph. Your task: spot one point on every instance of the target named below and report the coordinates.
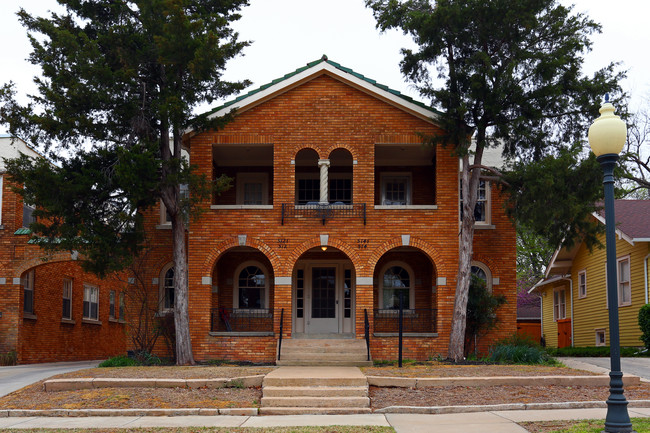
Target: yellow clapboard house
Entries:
(574, 303)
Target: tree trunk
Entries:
(184, 354)
(469, 184)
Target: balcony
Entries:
(324, 212)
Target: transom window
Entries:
(396, 281)
(251, 287)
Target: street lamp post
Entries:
(606, 137)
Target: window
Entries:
(582, 284)
(91, 302)
(482, 208)
(481, 271)
(111, 304)
(559, 304)
(67, 299)
(28, 218)
(252, 188)
(251, 287)
(396, 189)
(167, 290)
(165, 217)
(341, 190)
(0, 201)
(122, 306)
(624, 290)
(308, 190)
(28, 292)
(600, 337)
(396, 280)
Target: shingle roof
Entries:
(338, 67)
(632, 217)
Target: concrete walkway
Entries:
(630, 366)
(12, 378)
(484, 422)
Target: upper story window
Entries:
(482, 272)
(396, 281)
(396, 189)
(251, 288)
(582, 284)
(324, 181)
(67, 299)
(482, 208)
(624, 287)
(165, 217)
(28, 218)
(252, 188)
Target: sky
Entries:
(287, 34)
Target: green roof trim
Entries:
(23, 231)
(337, 66)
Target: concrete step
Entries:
(313, 410)
(316, 363)
(322, 402)
(315, 391)
(354, 356)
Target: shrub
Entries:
(145, 358)
(120, 361)
(518, 340)
(8, 358)
(644, 324)
(518, 354)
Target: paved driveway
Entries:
(634, 366)
(19, 376)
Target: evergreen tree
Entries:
(511, 74)
(121, 79)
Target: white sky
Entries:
(287, 34)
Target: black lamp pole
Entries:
(618, 419)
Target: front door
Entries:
(323, 308)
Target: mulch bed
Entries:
(172, 372)
(434, 369)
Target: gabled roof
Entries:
(335, 70)
(632, 225)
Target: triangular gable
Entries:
(336, 71)
(12, 147)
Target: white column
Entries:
(324, 180)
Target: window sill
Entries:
(164, 226)
(484, 227)
(629, 304)
(113, 320)
(30, 316)
(68, 321)
(406, 207)
(91, 321)
(240, 206)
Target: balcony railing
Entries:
(324, 212)
(241, 320)
(416, 321)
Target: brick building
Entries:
(50, 310)
(336, 211)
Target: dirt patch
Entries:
(434, 369)
(34, 397)
(463, 395)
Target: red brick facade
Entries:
(372, 140)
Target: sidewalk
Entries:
(484, 422)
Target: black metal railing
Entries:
(324, 212)
(418, 320)
(366, 328)
(241, 320)
(281, 328)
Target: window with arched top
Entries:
(167, 288)
(482, 272)
(396, 279)
(251, 287)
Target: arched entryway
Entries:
(323, 294)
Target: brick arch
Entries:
(216, 253)
(313, 147)
(332, 242)
(345, 146)
(439, 265)
(43, 260)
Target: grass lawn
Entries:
(328, 429)
(640, 425)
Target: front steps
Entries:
(315, 390)
(324, 352)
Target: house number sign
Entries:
(362, 244)
(282, 243)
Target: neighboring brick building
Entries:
(336, 209)
(50, 310)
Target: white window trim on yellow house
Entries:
(559, 304)
(621, 281)
(582, 284)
